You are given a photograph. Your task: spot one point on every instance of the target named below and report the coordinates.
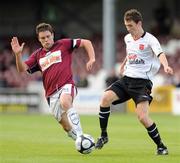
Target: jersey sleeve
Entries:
(155, 45)
(32, 63)
(71, 44)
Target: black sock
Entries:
(103, 119)
(154, 134)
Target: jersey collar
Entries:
(143, 34)
(140, 36)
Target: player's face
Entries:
(131, 26)
(46, 38)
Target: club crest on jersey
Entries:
(141, 47)
(50, 59)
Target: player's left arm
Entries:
(87, 45)
(164, 62)
(156, 47)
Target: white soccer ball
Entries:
(85, 144)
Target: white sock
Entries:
(74, 120)
(72, 134)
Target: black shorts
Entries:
(137, 89)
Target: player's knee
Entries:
(65, 105)
(106, 101)
(142, 118)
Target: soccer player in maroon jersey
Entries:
(53, 60)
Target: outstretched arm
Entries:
(164, 62)
(17, 49)
(87, 45)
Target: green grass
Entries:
(39, 139)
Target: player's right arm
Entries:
(17, 49)
(122, 66)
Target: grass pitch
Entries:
(39, 139)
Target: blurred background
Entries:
(100, 21)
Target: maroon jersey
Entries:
(55, 64)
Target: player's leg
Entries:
(143, 113)
(60, 115)
(61, 107)
(107, 98)
(67, 127)
(115, 94)
(72, 115)
(143, 116)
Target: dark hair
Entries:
(44, 27)
(133, 15)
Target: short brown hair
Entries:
(133, 15)
(44, 27)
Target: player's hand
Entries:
(168, 70)
(16, 47)
(89, 64)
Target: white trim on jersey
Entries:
(74, 43)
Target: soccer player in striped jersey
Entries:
(53, 60)
(142, 62)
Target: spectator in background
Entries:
(80, 75)
(2, 69)
(26, 53)
(163, 19)
(177, 78)
(111, 78)
(82, 81)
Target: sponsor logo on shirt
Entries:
(132, 56)
(133, 59)
(50, 59)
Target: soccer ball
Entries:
(85, 144)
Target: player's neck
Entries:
(138, 34)
(48, 48)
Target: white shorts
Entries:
(54, 102)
